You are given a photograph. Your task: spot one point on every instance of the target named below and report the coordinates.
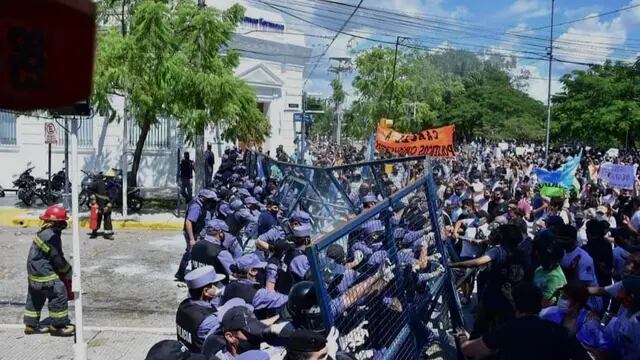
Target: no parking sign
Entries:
(50, 136)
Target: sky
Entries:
(584, 33)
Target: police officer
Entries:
(197, 315)
(194, 223)
(248, 217)
(46, 267)
(247, 270)
(295, 263)
(268, 218)
(242, 332)
(210, 250)
(101, 196)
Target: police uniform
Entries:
(45, 265)
(195, 318)
(247, 221)
(295, 263)
(210, 250)
(264, 301)
(197, 215)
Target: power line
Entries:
(333, 40)
(615, 11)
(587, 48)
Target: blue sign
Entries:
(263, 23)
(308, 118)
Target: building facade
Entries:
(272, 62)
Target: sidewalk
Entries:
(102, 343)
(15, 217)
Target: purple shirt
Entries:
(299, 265)
(265, 298)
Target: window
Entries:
(7, 128)
(85, 132)
(158, 138)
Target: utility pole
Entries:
(393, 76)
(546, 148)
(344, 65)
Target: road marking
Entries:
(159, 331)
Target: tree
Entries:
(322, 124)
(136, 65)
(205, 91)
(599, 106)
(492, 108)
(173, 60)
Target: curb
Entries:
(26, 219)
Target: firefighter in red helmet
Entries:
(47, 268)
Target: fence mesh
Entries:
(379, 266)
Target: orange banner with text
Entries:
(431, 142)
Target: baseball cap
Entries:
(369, 199)
(300, 216)
(241, 318)
(171, 349)
(301, 231)
(216, 225)
(601, 209)
(250, 200)
(250, 261)
(372, 226)
(208, 194)
(202, 277)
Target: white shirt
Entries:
(584, 270)
(470, 249)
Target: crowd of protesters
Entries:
(554, 277)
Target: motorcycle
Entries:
(26, 185)
(114, 189)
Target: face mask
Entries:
(247, 345)
(563, 304)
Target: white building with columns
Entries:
(272, 62)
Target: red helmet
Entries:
(55, 213)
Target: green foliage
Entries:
(490, 107)
(322, 122)
(204, 88)
(449, 87)
(599, 106)
(170, 59)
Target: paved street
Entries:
(127, 283)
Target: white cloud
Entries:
(577, 13)
(593, 41)
(537, 83)
(529, 8)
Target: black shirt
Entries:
(186, 169)
(529, 338)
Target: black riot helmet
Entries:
(303, 307)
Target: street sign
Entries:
(50, 135)
(308, 118)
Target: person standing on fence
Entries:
(186, 174)
(209, 160)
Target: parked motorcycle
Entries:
(114, 188)
(26, 185)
